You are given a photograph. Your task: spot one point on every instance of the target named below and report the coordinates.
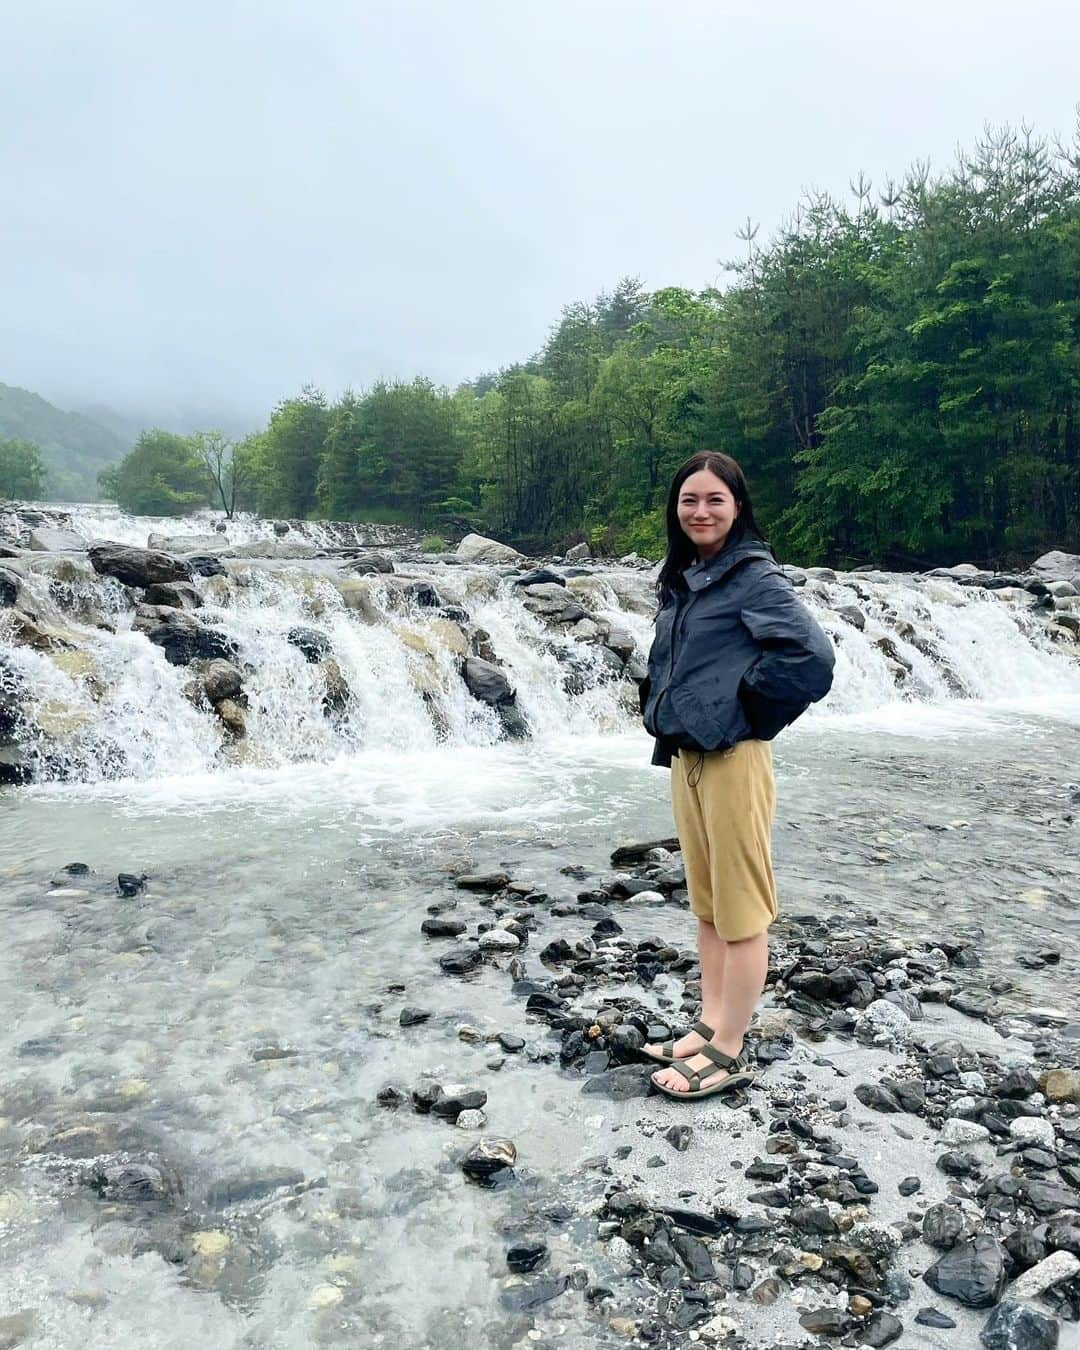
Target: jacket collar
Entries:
(702, 574)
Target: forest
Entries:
(898, 373)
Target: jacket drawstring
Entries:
(693, 778)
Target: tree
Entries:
(22, 471)
(228, 465)
(289, 454)
(163, 475)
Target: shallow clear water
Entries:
(283, 909)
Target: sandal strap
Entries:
(723, 1061)
(704, 1030)
(692, 1078)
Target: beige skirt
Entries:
(725, 804)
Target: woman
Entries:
(736, 657)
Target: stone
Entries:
(1054, 1269)
(619, 1084)
(47, 539)
(413, 1017)
(233, 715)
(359, 596)
(972, 1273)
(827, 1321)
(930, 1317)
(1061, 1085)
(205, 565)
(174, 594)
(440, 926)
(488, 1158)
(486, 682)
(128, 884)
(221, 679)
(137, 566)
(455, 1098)
(694, 1255)
(479, 548)
(310, 642)
(963, 1132)
(16, 1328)
(482, 881)
(679, 1136)
(1048, 1198)
(499, 940)
(471, 1119)
(1032, 1130)
(851, 614)
(882, 1328)
(252, 1185)
(526, 1255)
(184, 639)
(460, 960)
(882, 1022)
(1018, 1326)
(942, 1226)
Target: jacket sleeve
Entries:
(795, 667)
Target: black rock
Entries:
(184, 639)
(1048, 1198)
(424, 1096)
(678, 1136)
(705, 1225)
(813, 1219)
(136, 566)
(524, 1296)
(972, 1273)
(486, 682)
(1019, 1326)
(127, 1181)
(619, 1084)
(511, 1043)
(482, 881)
(314, 645)
(128, 884)
(440, 927)
(206, 565)
(449, 1105)
(930, 1317)
(525, 1256)
(412, 1017)
(390, 1097)
(877, 1097)
(760, 1170)
(942, 1226)
(827, 1321)
(1025, 1248)
(461, 960)
(882, 1328)
(489, 1157)
(958, 1163)
(694, 1255)
(909, 1186)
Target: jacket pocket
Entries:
(713, 724)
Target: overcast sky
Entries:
(205, 205)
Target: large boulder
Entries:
(46, 539)
(175, 594)
(185, 543)
(358, 595)
(1057, 566)
(137, 566)
(478, 548)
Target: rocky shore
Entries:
(906, 1169)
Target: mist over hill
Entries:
(75, 447)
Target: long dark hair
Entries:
(681, 551)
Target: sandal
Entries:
(666, 1053)
(739, 1075)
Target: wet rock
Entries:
(488, 1157)
(72, 874)
(522, 1297)
(877, 1097)
(129, 885)
(472, 1119)
(883, 1023)
(510, 1043)
(1018, 1326)
(455, 1098)
(184, 639)
(314, 646)
(442, 927)
(525, 1256)
(174, 594)
(1061, 1085)
(461, 960)
(827, 1321)
(413, 1017)
(233, 716)
(482, 881)
(221, 679)
(972, 1273)
(205, 565)
(486, 682)
(479, 548)
(16, 1328)
(46, 539)
(137, 566)
(1048, 1198)
(499, 940)
(126, 1180)
(909, 1186)
(251, 1185)
(619, 1084)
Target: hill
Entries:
(73, 446)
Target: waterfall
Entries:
(89, 697)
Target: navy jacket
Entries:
(737, 657)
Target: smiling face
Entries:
(707, 510)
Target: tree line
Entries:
(898, 373)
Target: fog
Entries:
(206, 206)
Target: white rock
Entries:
(645, 898)
(478, 548)
(1057, 564)
(974, 1081)
(963, 1132)
(46, 539)
(1051, 1270)
(499, 940)
(1032, 1130)
(883, 1020)
(578, 553)
(471, 1120)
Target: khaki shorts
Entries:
(724, 804)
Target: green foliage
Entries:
(22, 470)
(164, 475)
(899, 378)
(433, 543)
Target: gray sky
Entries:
(206, 204)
